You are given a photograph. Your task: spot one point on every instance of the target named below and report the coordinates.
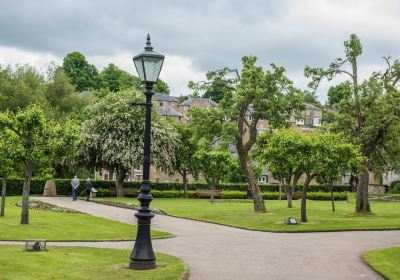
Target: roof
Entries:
(85, 93)
(190, 101)
(164, 97)
(312, 107)
(170, 112)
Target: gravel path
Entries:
(220, 252)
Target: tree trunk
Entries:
(121, 174)
(3, 196)
(213, 184)
(290, 197)
(362, 202)
(185, 184)
(332, 199)
(25, 193)
(304, 199)
(280, 190)
(258, 201)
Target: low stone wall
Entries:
(377, 189)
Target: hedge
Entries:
(14, 186)
(225, 194)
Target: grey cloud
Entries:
(213, 33)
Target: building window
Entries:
(263, 179)
(106, 176)
(317, 122)
(161, 104)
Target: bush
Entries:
(63, 186)
(395, 187)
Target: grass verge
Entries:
(385, 261)
(58, 226)
(239, 213)
(78, 263)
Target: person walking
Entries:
(88, 188)
(75, 185)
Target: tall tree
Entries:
(60, 94)
(82, 74)
(257, 95)
(115, 79)
(20, 86)
(112, 136)
(37, 140)
(370, 116)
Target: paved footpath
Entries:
(220, 252)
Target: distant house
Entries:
(311, 117)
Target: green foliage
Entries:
(61, 96)
(322, 155)
(83, 76)
(214, 165)
(339, 92)
(368, 112)
(20, 86)
(161, 87)
(185, 149)
(115, 79)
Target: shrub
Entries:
(394, 187)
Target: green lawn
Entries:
(240, 213)
(63, 226)
(77, 263)
(385, 261)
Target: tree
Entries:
(257, 95)
(370, 116)
(8, 162)
(112, 136)
(161, 87)
(185, 150)
(339, 92)
(281, 151)
(337, 157)
(20, 86)
(60, 94)
(323, 156)
(82, 74)
(116, 79)
(213, 165)
(37, 140)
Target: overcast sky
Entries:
(196, 36)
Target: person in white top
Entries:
(75, 185)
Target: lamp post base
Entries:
(142, 265)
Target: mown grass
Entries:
(239, 213)
(57, 226)
(385, 261)
(78, 263)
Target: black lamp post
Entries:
(148, 65)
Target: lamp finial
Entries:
(148, 44)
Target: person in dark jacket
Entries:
(88, 188)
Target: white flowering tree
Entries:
(112, 136)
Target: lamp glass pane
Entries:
(139, 68)
(152, 67)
